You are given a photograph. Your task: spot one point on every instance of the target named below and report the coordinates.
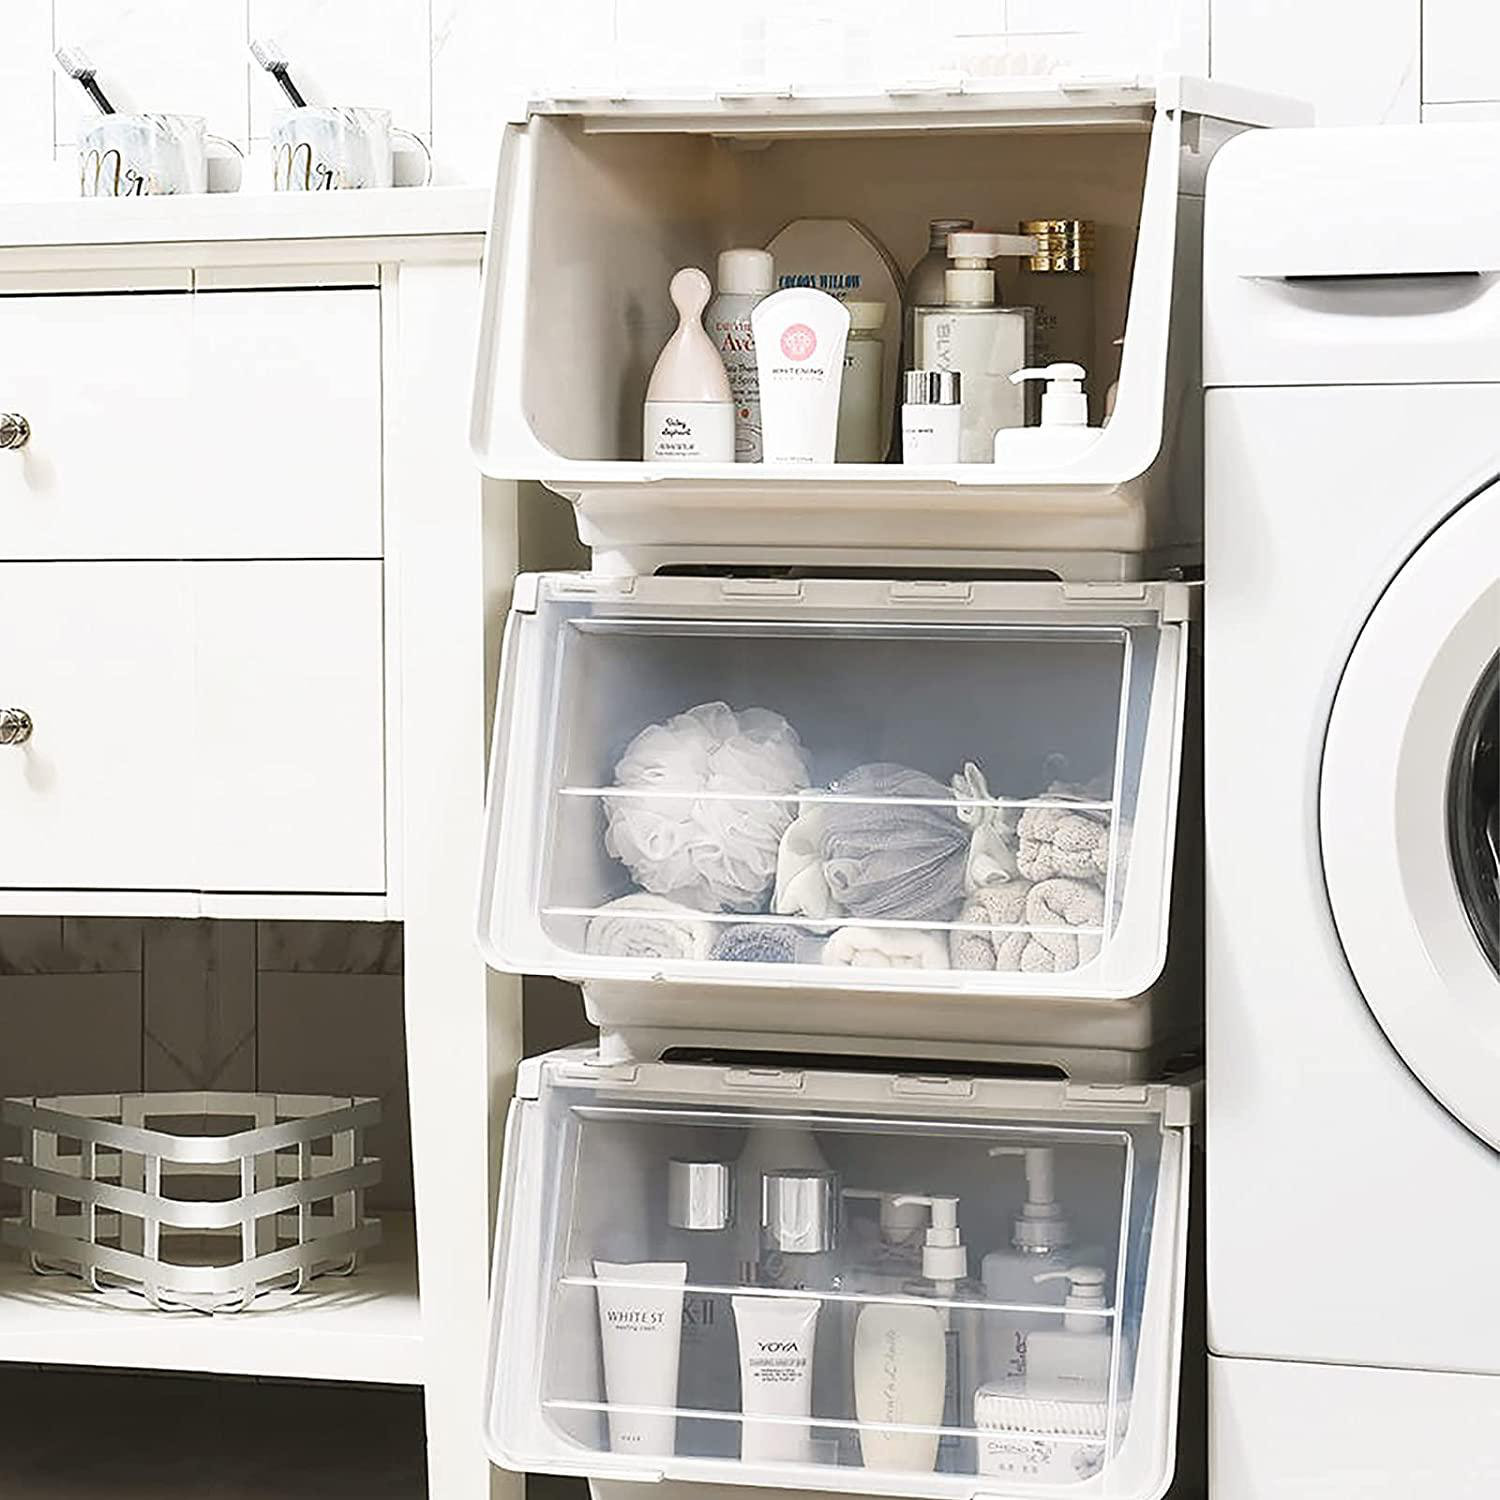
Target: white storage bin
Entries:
(800, 854)
(586, 1210)
(597, 204)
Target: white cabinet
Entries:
(1460, 51)
(195, 727)
(192, 424)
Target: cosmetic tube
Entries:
(800, 335)
(640, 1327)
(776, 1336)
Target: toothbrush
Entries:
(74, 62)
(273, 60)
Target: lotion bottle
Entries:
(745, 276)
(689, 414)
(1072, 1363)
(972, 334)
(1064, 434)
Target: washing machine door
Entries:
(1409, 788)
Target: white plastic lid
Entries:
(865, 316)
(1063, 402)
(1085, 1296)
(746, 272)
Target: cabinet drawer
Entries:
(213, 726)
(173, 424)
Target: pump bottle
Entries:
(1064, 434)
(985, 342)
(1072, 1363)
(1041, 1242)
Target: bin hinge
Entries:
(524, 593)
(1120, 592)
(598, 1070)
(591, 585)
(1108, 1093)
(924, 1086)
(780, 1080)
(761, 588)
(931, 590)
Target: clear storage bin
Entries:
(822, 790)
(655, 1321)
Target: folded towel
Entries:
(998, 906)
(715, 854)
(876, 858)
(1056, 903)
(756, 943)
(992, 832)
(1064, 841)
(641, 926)
(886, 948)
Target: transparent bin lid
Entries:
(837, 784)
(824, 1291)
(619, 48)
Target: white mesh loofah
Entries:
(715, 854)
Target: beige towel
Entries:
(1057, 903)
(886, 948)
(1001, 906)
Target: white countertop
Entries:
(375, 213)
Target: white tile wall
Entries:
(449, 69)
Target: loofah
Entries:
(715, 854)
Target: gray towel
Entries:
(756, 943)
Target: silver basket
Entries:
(198, 1201)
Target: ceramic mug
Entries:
(324, 147)
(128, 156)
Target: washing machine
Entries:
(1352, 354)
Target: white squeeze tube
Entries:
(776, 1337)
(800, 334)
(640, 1327)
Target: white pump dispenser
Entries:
(970, 278)
(1064, 434)
(944, 1259)
(1072, 1363)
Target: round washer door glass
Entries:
(1407, 812)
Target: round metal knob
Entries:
(14, 429)
(15, 726)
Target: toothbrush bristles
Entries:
(74, 62)
(267, 54)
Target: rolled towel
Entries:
(756, 943)
(716, 854)
(886, 948)
(992, 832)
(801, 887)
(1061, 841)
(642, 926)
(1055, 903)
(998, 906)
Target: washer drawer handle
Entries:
(15, 726)
(15, 430)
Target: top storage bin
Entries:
(597, 204)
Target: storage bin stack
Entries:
(831, 757)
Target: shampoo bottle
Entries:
(985, 342)
(745, 276)
(1041, 1241)
(689, 408)
(1072, 1363)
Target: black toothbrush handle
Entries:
(95, 93)
(283, 76)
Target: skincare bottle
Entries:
(1041, 1241)
(800, 335)
(983, 341)
(700, 1216)
(861, 403)
(924, 282)
(1063, 434)
(689, 410)
(767, 1148)
(1072, 1363)
(931, 417)
(745, 276)
(889, 1255)
(945, 1277)
(1058, 281)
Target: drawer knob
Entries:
(15, 726)
(14, 429)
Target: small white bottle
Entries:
(1064, 434)
(745, 276)
(689, 414)
(1072, 1363)
(862, 412)
(931, 417)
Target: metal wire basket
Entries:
(199, 1201)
